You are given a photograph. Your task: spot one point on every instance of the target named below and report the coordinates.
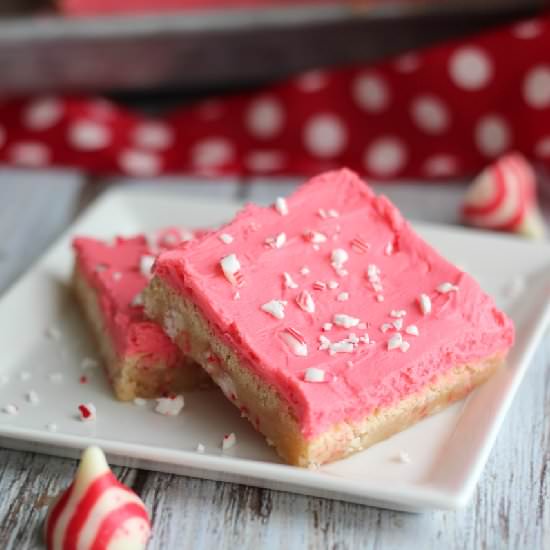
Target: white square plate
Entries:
(447, 451)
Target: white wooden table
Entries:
(510, 509)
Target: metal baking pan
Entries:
(222, 48)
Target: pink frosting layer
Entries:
(464, 325)
(114, 271)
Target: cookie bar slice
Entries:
(108, 278)
(327, 320)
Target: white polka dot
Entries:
(385, 156)
(492, 135)
(265, 161)
(407, 63)
(312, 81)
(430, 114)
(29, 154)
(542, 148)
(212, 153)
(440, 166)
(265, 117)
(153, 135)
(139, 163)
(371, 93)
(85, 135)
(536, 87)
(527, 30)
(325, 135)
(42, 113)
(470, 68)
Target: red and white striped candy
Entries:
(97, 512)
(503, 197)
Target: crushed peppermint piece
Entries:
(379, 298)
(305, 302)
(346, 321)
(404, 457)
(314, 375)
(170, 406)
(55, 377)
(53, 333)
(343, 346)
(51, 427)
(343, 297)
(231, 268)
(89, 363)
(117, 275)
(333, 284)
(365, 338)
(281, 206)
(398, 313)
(87, 412)
(444, 288)
(358, 244)
(10, 409)
(146, 265)
(140, 402)
(237, 295)
(319, 285)
(385, 327)
(226, 238)
(322, 213)
(425, 304)
(24, 376)
(398, 324)
(327, 327)
(325, 343)
(137, 300)
(353, 338)
(200, 448)
(295, 341)
(412, 330)
(305, 270)
(276, 242)
(229, 441)
(395, 341)
(288, 281)
(404, 346)
(32, 397)
(388, 251)
(275, 308)
(332, 213)
(339, 257)
(315, 237)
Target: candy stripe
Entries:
(499, 191)
(56, 512)
(84, 507)
(114, 520)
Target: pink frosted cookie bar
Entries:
(327, 320)
(140, 359)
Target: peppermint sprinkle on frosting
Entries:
(388, 251)
(288, 281)
(305, 302)
(444, 288)
(314, 375)
(327, 327)
(281, 206)
(412, 330)
(231, 268)
(315, 237)
(319, 285)
(277, 241)
(397, 313)
(425, 303)
(404, 346)
(226, 238)
(358, 244)
(295, 342)
(339, 257)
(343, 297)
(305, 270)
(333, 284)
(146, 265)
(275, 308)
(346, 321)
(395, 341)
(398, 324)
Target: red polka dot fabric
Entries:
(443, 112)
